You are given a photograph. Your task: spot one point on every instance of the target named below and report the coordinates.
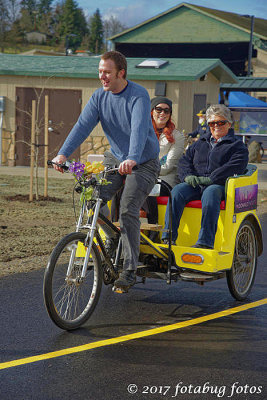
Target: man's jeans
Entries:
(210, 196)
(137, 187)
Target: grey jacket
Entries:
(170, 154)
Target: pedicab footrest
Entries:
(198, 277)
(163, 200)
(145, 226)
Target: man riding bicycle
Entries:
(123, 109)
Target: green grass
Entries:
(9, 49)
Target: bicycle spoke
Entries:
(70, 298)
(245, 260)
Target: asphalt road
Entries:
(221, 358)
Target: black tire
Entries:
(240, 277)
(70, 302)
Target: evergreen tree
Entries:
(44, 7)
(73, 24)
(29, 10)
(96, 33)
(16, 35)
(26, 21)
(81, 22)
(56, 24)
(45, 16)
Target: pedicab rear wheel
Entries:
(240, 277)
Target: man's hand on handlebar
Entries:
(125, 168)
(59, 159)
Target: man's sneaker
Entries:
(126, 279)
(111, 245)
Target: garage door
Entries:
(64, 110)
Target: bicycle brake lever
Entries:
(64, 166)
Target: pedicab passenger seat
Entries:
(229, 219)
(163, 200)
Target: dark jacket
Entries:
(201, 130)
(228, 157)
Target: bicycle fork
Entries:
(90, 237)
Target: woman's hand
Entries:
(204, 180)
(192, 180)
(198, 180)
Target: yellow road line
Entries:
(132, 336)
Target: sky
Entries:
(131, 13)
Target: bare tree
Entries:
(38, 119)
(112, 26)
(4, 22)
(13, 10)
(9, 12)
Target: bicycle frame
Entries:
(93, 231)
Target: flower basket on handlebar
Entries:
(85, 172)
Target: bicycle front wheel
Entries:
(69, 299)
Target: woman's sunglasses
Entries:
(165, 110)
(218, 123)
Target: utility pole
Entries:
(250, 44)
(250, 47)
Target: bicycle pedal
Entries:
(120, 290)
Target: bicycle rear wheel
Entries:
(240, 277)
(71, 300)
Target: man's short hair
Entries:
(118, 58)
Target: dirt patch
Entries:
(25, 198)
(30, 230)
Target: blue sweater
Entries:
(126, 121)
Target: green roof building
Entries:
(190, 31)
(69, 82)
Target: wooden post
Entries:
(32, 148)
(46, 147)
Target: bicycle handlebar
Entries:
(93, 181)
(64, 166)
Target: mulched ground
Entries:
(25, 198)
(30, 230)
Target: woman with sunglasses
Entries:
(171, 143)
(204, 170)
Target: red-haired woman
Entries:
(171, 143)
